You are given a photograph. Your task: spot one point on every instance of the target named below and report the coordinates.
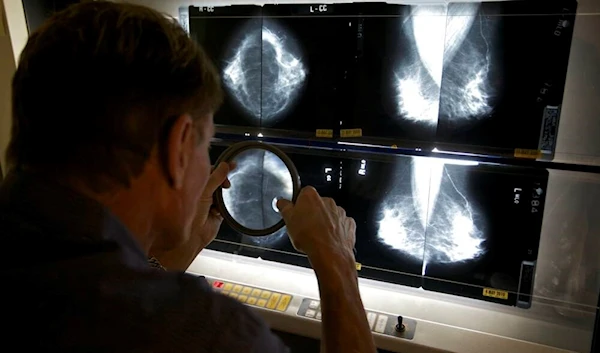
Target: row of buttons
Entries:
(254, 296)
(377, 323)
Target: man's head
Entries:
(109, 94)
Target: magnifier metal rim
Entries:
(227, 156)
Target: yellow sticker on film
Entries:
(495, 293)
(350, 132)
(526, 153)
(358, 266)
(324, 133)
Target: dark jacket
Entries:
(75, 280)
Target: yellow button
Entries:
(283, 304)
(247, 290)
(273, 301)
(227, 286)
(261, 302)
(233, 295)
(251, 301)
(225, 293)
(242, 298)
(265, 294)
(237, 288)
(256, 292)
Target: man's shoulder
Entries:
(227, 325)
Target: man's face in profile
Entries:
(184, 199)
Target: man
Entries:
(108, 159)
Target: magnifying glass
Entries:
(263, 175)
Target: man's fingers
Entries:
(227, 184)
(217, 178)
(285, 207)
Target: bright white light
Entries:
(451, 160)
(260, 134)
(263, 74)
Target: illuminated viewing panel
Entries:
(443, 225)
(468, 77)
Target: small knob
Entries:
(400, 327)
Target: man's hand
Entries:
(319, 228)
(205, 225)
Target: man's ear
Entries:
(179, 149)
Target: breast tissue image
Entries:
(260, 178)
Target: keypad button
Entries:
(371, 317)
(313, 304)
(381, 323)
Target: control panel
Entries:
(381, 323)
(254, 296)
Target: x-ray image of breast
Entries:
(259, 178)
(466, 89)
(454, 230)
(437, 34)
(436, 222)
(401, 224)
(417, 84)
(264, 72)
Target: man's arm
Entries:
(344, 326)
(319, 228)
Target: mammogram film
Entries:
(445, 225)
(464, 76)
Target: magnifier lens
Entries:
(258, 181)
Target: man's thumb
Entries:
(285, 207)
